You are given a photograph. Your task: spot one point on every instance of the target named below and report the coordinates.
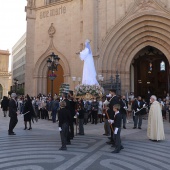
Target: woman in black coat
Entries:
(80, 114)
(5, 105)
(28, 112)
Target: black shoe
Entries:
(105, 134)
(80, 133)
(109, 138)
(25, 128)
(11, 133)
(121, 147)
(92, 123)
(124, 127)
(115, 151)
(63, 148)
(30, 128)
(110, 143)
(68, 143)
(139, 128)
(134, 127)
(113, 146)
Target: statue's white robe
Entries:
(155, 130)
(89, 72)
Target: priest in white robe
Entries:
(89, 72)
(155, 130)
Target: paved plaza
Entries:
(38, 149)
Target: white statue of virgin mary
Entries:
(89, 72)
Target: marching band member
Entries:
(123, 110)
(117, 128)
(137, 106)
(114, 100)
(64, 119)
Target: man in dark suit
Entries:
(12, 114)
(113, 100)
(137, 107)
(123, 110)
(72, 111)
(65, 98)
(64, 119)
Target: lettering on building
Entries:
(53, 12)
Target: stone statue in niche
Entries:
(51, 30)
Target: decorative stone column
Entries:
(30, 40)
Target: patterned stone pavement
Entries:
(38, 149)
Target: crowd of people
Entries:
(68, 111)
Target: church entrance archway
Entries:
(1, 91)
(57, 81)
(149, 72)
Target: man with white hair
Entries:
(12, 114)
(155, 129)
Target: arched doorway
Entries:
(1, 91)
(57, 82)
(42, 82)
(127, 38)
(149, 72)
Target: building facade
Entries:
(124, 34)
(18, 63)
(5, 76)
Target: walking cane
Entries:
(24, 113)
(76, 121)
(108, 119)
(76, 124)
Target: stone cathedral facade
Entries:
(128, 36)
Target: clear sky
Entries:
(12, 22)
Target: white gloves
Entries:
(116, 130)
(111, 121)
(137, 109)
(125, 107)
(77, 113)
(103, 114)
(144, 105)
(60, 129)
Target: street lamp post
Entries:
(52, 64)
